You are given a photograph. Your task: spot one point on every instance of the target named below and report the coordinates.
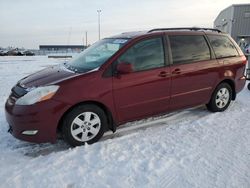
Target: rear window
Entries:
(223, 47)
(189, 48)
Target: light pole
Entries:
(86, 38)
(99, 27)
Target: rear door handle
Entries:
(177, 71)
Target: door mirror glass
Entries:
(124, 68)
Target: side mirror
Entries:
(124, 68)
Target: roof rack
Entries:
(185, 28)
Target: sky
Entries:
(30, 23)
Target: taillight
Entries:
(244, 60)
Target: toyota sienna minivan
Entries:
(125, 78)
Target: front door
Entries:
(146, 90)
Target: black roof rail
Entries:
(185, 28)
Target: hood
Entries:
(50, 75)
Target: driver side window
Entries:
(144, 55)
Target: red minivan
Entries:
(125, 78)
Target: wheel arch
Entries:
(111, 122)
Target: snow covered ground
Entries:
(189, 148)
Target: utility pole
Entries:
(99, 27)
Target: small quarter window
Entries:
(222, 46)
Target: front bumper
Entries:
(41, 120)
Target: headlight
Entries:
(37, 95)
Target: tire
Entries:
(221, 98)
(84, 124)
(248, 86)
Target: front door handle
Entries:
(163, 74)
(177, 71)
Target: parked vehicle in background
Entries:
(247, 49)
(28, 53)
(3, 52)
(126, 78)
(14, 52)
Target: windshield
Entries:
(96, 55)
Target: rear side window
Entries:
(222, 46)
(145, 55)
(189, 48)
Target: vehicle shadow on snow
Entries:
(158, 121)
(35, 150)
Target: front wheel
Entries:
(84, 124)
(221, 98)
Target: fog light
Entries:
(30, 132)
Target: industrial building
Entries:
(48, 49)
(235, 20)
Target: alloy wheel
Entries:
(85, 126)
(222, 97)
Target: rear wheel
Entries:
(84, 124)
(248, 86)
(221, 98)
